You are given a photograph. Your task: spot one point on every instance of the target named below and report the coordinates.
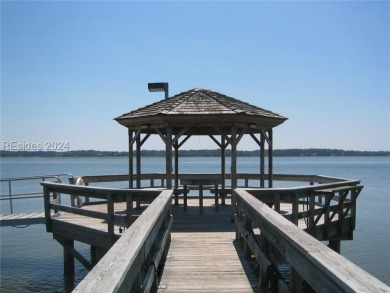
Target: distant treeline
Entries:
(194, 153)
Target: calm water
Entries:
(31, 261)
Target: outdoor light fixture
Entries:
(159, 87)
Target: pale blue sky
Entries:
(69, 68)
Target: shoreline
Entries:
(194, 153)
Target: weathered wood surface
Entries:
(120, 267)
(203, 256)
(321, 267)
(22, 219)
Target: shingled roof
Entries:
(200, 108)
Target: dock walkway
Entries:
(203, 255)
(21, 219)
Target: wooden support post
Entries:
(335, 245)
(248, 227)
(295, 208)
(262, 160)
(131, 164)
(176, 146)
(234, 158)
(46, 199)
(201, 199)
(138, 146)
(216, 199)
(311, 211)
(223, 167)
(68, 257)
(328, 198)
(295, 281)
(93, 254)
(96, 254)
(111, 220)
(129, 210)
(277, 203)
(168, 148)
(185, 198)
(354, 195)
(270, 159)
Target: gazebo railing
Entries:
(245, 180)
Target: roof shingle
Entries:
(200, 102)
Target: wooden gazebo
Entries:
(201, 112)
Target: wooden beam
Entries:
(145, 138)
(73, 253)
(222, 133)
(234, 157)
(322, 268)
(184, 140)
(168, 148)
(270, 159)
(131, 162)
(181, 132)
(255, 139)
(262, 160)
(138, 164)
(119, 269)
(223, 163)
(176, 147)
(269, 141)
(241, 134)
(163, 137)
(216, 141)
(136, 136)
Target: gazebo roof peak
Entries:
(201, 106)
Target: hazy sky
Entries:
(69, 68)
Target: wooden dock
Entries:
(204, 255)
(241, 247)
(22, 219)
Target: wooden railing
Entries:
(95, 195)
(131, 264)
(280, 241)
(328, 206)
(245, 180)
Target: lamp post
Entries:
(159, 87)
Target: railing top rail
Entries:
(35, 177)
(301, 189)
(94, 190)
(242, 175)
(324, 269)
(128, 253)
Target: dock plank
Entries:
(203, 255)
(22, 219)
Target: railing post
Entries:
(110, 219)
(10, 196)
(311, 210)
(295, 208)
(129, 210)
(248, 227)
(277, 202)
(295, 281)
(328, 199)
(72, 196)
(46, 202)
(354, 194)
